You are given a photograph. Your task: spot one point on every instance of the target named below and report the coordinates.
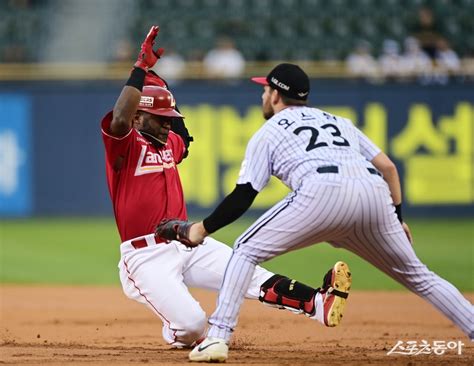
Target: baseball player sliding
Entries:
(345, 191)
(145, 138)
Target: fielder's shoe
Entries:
(210, 350)
(331, 298)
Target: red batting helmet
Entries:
(158, 101)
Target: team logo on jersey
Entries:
(153, 162)
(307, 117)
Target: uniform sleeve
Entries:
(177, 146)
(367, 148)
(256, 167)
(114, 146)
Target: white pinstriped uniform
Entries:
(352, 209)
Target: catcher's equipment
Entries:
(147, 57)
(174, 229)
(158, 101)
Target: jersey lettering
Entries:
(152, 158)
(336, 133)
(150, 162)
(167, 156)
(329, 116)
(284, 122)
(315, 133)
(312, 139)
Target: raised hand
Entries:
(147, 56)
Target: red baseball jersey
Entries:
(146, 188)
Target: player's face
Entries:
(267, 107)
(158, 126)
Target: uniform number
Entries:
(338, 141)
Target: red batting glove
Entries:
(147, 57)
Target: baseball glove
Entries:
(175, 229)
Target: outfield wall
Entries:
(52, 159)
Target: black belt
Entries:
(328, 169)
(335, 169)
(374, 171)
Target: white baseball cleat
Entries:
(210, 350)
(331, 300)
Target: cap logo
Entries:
(303, 94)
(279, 83)
(146, 101)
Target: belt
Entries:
(374, 172)
(335, 169)
(142, 242)
(328, 169)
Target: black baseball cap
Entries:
(289, 79)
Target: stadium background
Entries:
(63, 64)
(59, 74)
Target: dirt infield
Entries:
(99, 326)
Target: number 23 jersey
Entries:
(298, 140)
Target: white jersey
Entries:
(337, 197)
(297, 141)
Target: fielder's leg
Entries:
(237, 279)
(380, 240)
(291, 224)
(274, 234)
(399, 261)
(205, 266)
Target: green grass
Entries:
(85, 251)
(59, 251)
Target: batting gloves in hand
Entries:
(174, 229)
(147, 57)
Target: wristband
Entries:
(398, 211)
(137, 78)
(208, 225)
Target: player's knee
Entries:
(419, 286)
(249, 254)
(193, 329)
(419, 280)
